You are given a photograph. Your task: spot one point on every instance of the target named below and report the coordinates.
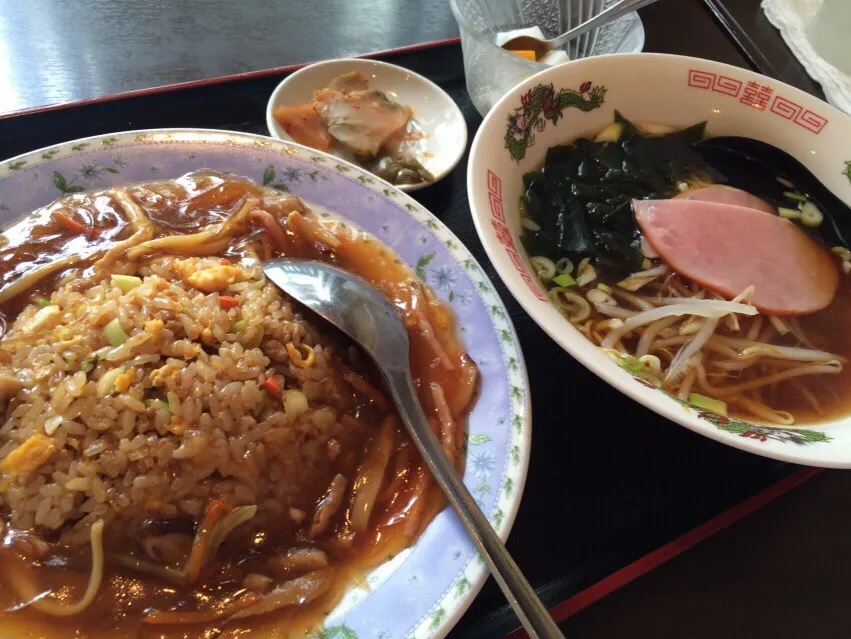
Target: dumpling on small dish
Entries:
(359, 124)
(363, 121)
(303, 124)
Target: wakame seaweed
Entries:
(582, 197)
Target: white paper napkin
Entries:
(791, 18)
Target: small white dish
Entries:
(435, 113)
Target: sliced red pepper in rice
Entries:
(273, 385)
(227, 302)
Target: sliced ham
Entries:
(722, 194)
(727, 248)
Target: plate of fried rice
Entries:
(185, 451)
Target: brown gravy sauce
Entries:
(408, 501)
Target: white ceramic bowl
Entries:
(435, 112)
(680, 91)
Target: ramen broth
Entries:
(580, 215)
(827, 330)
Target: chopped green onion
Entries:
(585, 272)
(42, 301)
(157, 404)
(652, 364)
(646, 367)
(611, 133)
(624, 360)
(631, 364)
(564, 280)
(845, 255)
(126, 282)
(707, 403)
(596, 296)
(786, 183)
(792, 195)
(575, 307)
(107, 382)
(89, 363)
(564, 265)
(682, 187)
(789, 214)
(811, 215)
(238, 326)
(529, 224)
(544, 267)
(114, 333)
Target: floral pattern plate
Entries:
(423, 591)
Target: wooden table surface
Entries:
(780, 573)
(54, 51)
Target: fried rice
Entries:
(85, 441)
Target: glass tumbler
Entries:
(491, 71)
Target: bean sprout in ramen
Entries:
(723, 289)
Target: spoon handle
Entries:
(612, 13)
(532, 613)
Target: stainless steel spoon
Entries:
(365, 315)
(542, 47)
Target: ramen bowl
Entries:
(578, 99)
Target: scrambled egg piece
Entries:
(159, 376)
(34, 452)
(154, 328)
(123, 381)
(215, 278)
(185, 267)
(177, 426)
(193, 350)
(65, 341)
